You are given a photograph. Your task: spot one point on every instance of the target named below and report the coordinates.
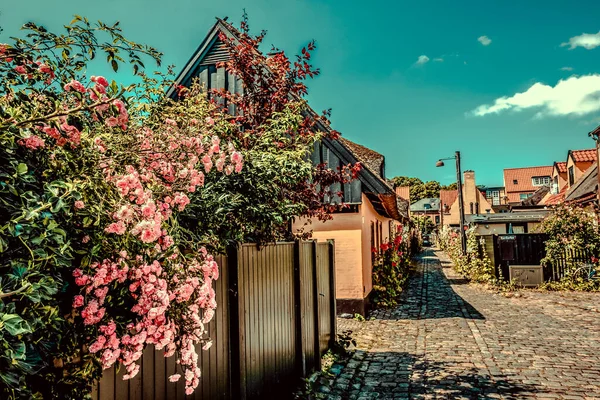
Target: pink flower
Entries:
(85, 239)
(99, 80)
(116, 227)
(21, 69)
(77, 301)
(32, 142)
(174, 377)
(209, 121)
(79, 204)
(75, 85)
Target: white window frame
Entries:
(540, 180)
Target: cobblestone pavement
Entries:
(449, 339)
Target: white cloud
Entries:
(577, 95)
(423, 59)
(586, 40)
(439, 59)
(566, 69)
(484, 40)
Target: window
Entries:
(540, 180)
(437, 219)
(493, 196)
(515, 182)
(525, 196)
(571, 176)
(427, 206)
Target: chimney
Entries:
(403, 192)
(469, 190)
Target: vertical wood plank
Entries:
(171, 368)
(332, 307)
(160, 376)
(316, 305)
(142, 386)
(121, 386)
(106, 387)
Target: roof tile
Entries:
(519, 179)
(587, 155)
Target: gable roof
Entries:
(586, 185)
(523, 176)
(381, 194)
(422, 205)
(560, 166)
(369, 158)
(447, 198)
(586, 155)
(557, 198)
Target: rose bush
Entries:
(391, 269)
(97, 260)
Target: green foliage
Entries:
(40, 238)
(256, 204)
(419, 189)
(423, 223)
(475, 265)
(571, 231)
(391, 269)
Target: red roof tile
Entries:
(522, 177)
(558, 198)
(587, 155)
(447, 198)
(561, 166)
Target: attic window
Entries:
(427, 206)
(515, 182)
(540, 180)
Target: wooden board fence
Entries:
(275, 318)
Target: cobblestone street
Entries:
(450, 339)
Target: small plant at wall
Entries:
(573, 241)
(391, 269)
(475, 265)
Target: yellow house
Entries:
(475, 201)
(371, 217)
(371, 211)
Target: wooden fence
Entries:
(528, 249)
(275, 319)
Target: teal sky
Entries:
(381, 96)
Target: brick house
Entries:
(475, 201)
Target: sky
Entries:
(508, 83)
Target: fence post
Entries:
(236, 350)
(298, 286)
(333, 310)
(316, 302)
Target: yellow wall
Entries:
(369, 214)
(578, 168)
(352, 235)
(346, 230)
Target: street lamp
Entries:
(461, 205)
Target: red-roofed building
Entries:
(578, 161)
(521, 183)
(475, 201)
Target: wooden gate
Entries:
(518, 249)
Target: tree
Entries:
(95, 184)
(276, 187)
(418, 189)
